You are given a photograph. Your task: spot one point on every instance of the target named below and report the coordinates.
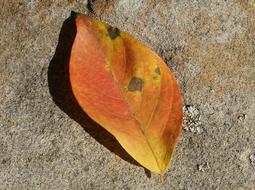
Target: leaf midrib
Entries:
(133, 116)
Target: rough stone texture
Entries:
(45, 143)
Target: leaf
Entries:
(127, 89)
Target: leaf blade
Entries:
(125, 87)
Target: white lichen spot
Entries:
(203, 167)
(191, 119)
(242, 117)
(252, 158)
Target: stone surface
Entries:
(45, 142)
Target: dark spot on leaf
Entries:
(157, 70)
(135, 84)
(113, 32)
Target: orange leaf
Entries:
(127, 89)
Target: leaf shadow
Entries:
(61, 92)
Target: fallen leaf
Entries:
(127, 89)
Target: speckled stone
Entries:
(47, 143)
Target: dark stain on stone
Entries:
(135, 84)
(86, 169)
(90, 7)
(4, 161)
(157, 70)
(113, 32)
